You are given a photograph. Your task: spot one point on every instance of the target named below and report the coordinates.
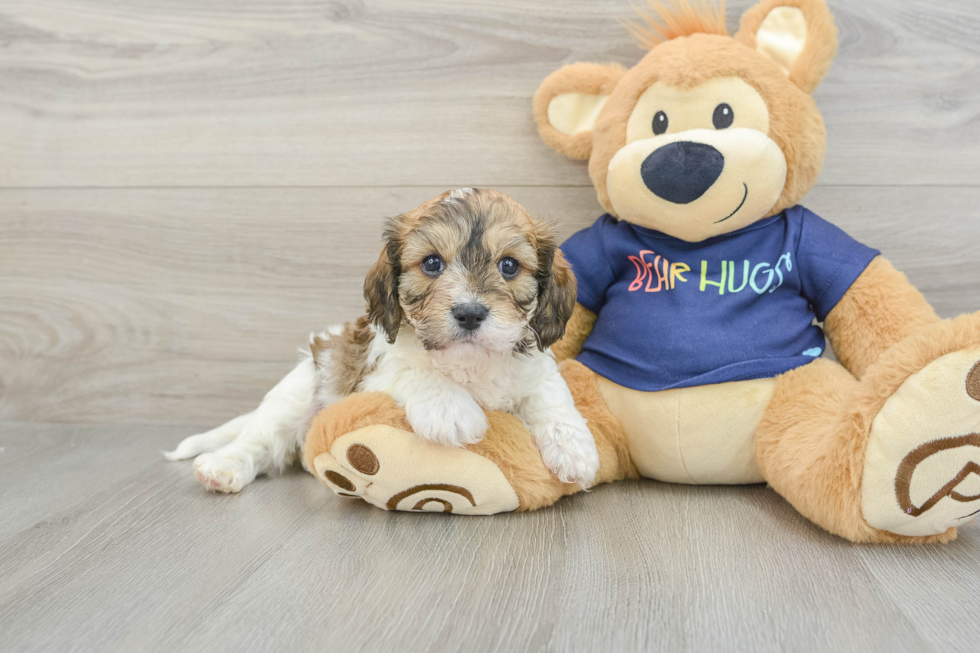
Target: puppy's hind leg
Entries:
(268, 439)
(209, 440)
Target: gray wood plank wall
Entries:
(187, 188)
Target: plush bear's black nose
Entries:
(682, 172)
(470, 316)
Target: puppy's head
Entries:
(471, 268)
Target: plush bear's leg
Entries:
(811, 453)
(363, 447)
(894, 457)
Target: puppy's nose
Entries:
(470, 316)
(682, 172)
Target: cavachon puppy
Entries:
(464, 302)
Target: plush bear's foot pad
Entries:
(922, 466)
(397, 470)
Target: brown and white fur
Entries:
(448, 335)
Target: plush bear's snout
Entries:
(682, 172)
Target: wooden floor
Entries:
(187, 188)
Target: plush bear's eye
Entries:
(659, 123)
(724, 116)
(432, 265)
(509, 267)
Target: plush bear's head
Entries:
(707, 133)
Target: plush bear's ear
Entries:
(799, 35)
(567, 103)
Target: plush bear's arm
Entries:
(578, 329)
(880, 309)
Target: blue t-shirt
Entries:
(674, 314)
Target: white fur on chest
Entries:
(495, 380)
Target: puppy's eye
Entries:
(509, 267)
(660, 123)
(724, 116)
(432, 265)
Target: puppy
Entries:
(466, 298)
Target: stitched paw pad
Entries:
(396, 470)
(922, 466)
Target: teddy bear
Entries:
(705, 294)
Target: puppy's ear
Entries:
(557, 291)
(381, 284)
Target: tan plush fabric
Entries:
(812, 442)
(884, 447)
(353, 413)
(406, 472)
(809, 68)
(782, 36)
(581, 78)
(920, 469)
(573, 113)
(795, 123)
(503, 472)
(691, 61)
(880, 310)
(700, 435)
(752, 161)
(578, 329)
(677, 19)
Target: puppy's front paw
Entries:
(569, 451)
(455, 420)
(219, 474)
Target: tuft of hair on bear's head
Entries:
(678, 18)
